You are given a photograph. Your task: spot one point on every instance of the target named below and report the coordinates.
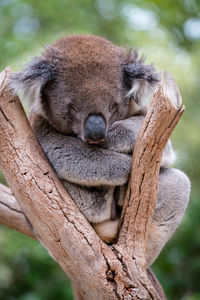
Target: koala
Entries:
(88, 101)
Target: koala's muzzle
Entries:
(95, 129)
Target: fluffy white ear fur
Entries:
(29, 91)
(142, 92)
(32, 94)
(35, 98)
(28, 82)
(141, 80)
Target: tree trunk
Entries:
(97, 270)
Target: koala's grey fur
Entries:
(83, 75)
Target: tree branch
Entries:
(11, 214)
(98, 271)
(142, 193)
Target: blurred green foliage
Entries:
(168, 32)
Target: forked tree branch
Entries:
(12, 216)
(97, 271)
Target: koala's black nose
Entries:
(95, 129)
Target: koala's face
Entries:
(82, 84)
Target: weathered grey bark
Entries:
(97, 271)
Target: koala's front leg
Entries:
(80, 163)
(122, 137)
(173, 197)
(122, 134)
(83, 164)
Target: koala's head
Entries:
(82, 84)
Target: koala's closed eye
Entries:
(113, 106)
(72, 108)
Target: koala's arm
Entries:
(80, 163)
(122, 134)
(122, 137)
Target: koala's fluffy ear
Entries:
(141, 80)
(30, 80)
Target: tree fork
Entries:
(97, 271)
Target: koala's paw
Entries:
(122, 134)
(107, 231)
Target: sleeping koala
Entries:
(88, 101)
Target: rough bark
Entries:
(97, 271)
(11, 214)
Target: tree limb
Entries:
(142, 193)
(11, 214)
(97, 270)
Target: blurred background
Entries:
(168, 33)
